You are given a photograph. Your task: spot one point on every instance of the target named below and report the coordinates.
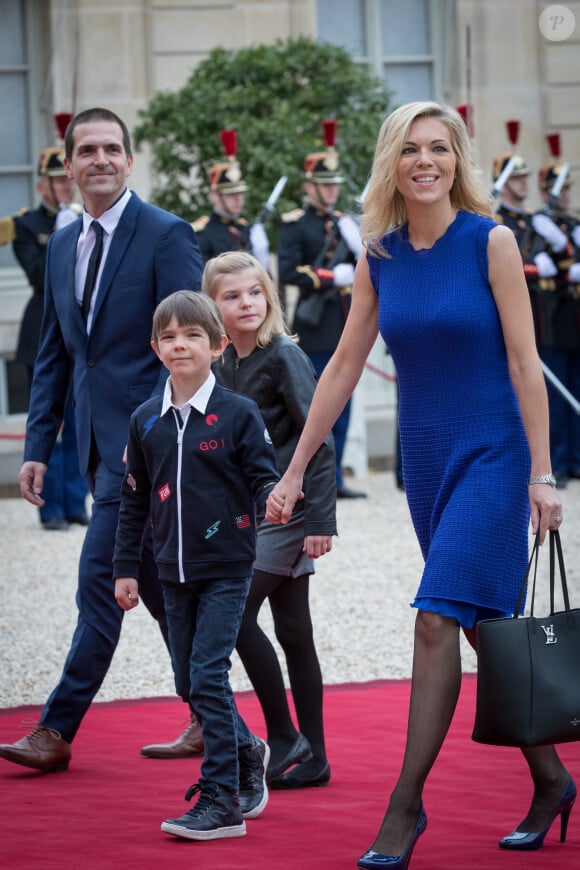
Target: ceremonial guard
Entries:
(318, 250)
(65, 489)
(511, 186)
(560, 350)
(225, 229)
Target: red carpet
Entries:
(106, 810)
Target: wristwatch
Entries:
(543, 478)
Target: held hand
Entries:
(282, 499)
(126, 592)
(31, 479)
(317, 545)
(545, 509)
(350, 232)
(546, 228)
(546, 266)
(343, 274)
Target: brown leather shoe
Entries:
(188, 745)
(43, 749)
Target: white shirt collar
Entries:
(198, 401)
(110, 218)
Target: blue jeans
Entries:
(204, 619)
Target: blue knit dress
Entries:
(465, 453)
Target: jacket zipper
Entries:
(236, 371)
(180, 429)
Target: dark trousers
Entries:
(100, 618)
(340, 428)
(204, 618)
(564, 422)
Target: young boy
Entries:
(199, 458)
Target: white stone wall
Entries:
(119, 54)
(517, 73)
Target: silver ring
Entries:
(558, 519)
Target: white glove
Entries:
(546, 266)
(576, 235)
(65, 216)
(260, 244)
(350, 232)
(574, 273)
(343, 275)
(546, 228)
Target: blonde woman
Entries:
(445, 286)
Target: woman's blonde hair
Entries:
(384, 207)
(232, 262)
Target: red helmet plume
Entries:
(466, 112)
(553, 140)
(513, 131)
(229, 142)
(329, 129)
(62, 120)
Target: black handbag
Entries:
(528, 670)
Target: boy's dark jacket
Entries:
(281, 380)
(201, 483)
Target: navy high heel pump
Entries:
(523, 842)
(372, 859)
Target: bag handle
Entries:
(522, 592)
(554, 540)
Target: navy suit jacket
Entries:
(113, 369)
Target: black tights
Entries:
(434, 692)
(288, 598)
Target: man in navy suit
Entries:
(105, 275)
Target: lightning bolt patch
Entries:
(211, 530)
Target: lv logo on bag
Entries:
(549, 632)
(528, 695)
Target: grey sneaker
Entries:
(253, 789)
(216, 815)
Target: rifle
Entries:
(556, 190)
(503, 177)
(268, 207)
(564, 392)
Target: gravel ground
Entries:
(359, 596)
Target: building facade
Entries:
(503, 59)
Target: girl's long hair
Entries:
(231, 262)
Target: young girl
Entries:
(264, 362)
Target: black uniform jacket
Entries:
(217, 234)
(310, 240)
(32, 231)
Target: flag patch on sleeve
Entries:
(164, 492)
